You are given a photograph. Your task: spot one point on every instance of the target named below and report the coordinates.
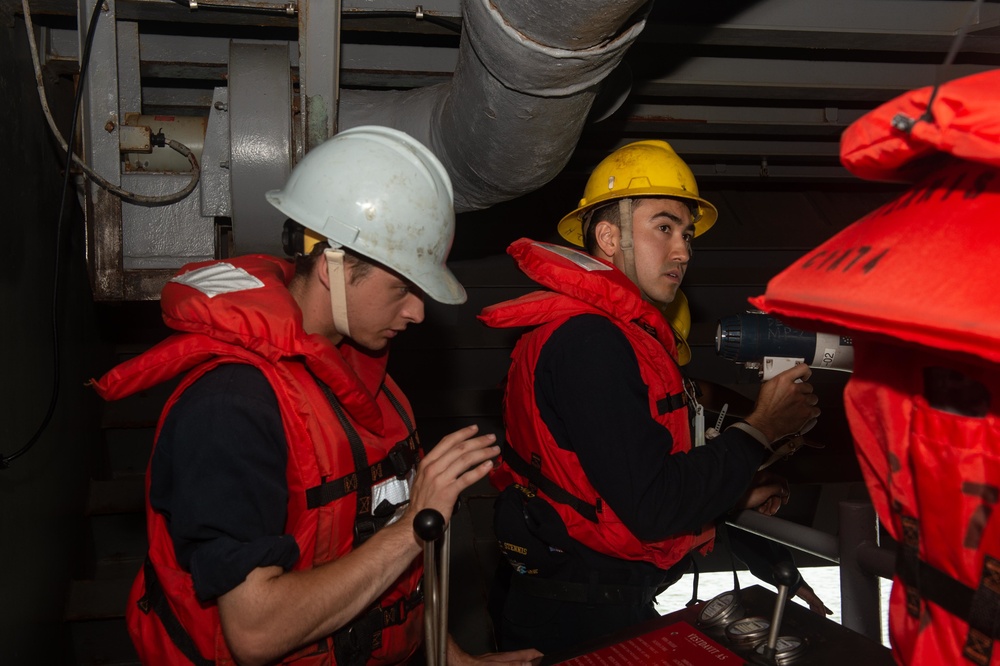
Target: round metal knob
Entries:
(429, 524)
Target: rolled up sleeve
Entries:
(218, 478)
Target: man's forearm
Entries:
(273, 612)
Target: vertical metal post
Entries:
(860, 598)
(429, 525)
(319, 71)
(444, 578)
(99, 125)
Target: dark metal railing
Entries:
(855, 550)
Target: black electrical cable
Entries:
(84, 60)
(234, 7)
(124, 195)
(454, 26)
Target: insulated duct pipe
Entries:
(527, 75)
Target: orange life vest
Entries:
(914, 284)
(251, 318)
(582, 284)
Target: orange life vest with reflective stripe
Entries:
(582, 284)
(258, 323)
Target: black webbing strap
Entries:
(549, 487)
(979, 607)
(400, 459)
(722, 534)
(156, 600)
(398, 462)
(354, 643)
(671, 403)
(364, 525)
(583, 593)
(984, 615)
(400, 410)
(695, 575)
(908, 564)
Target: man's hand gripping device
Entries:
(757, 341)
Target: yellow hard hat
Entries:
(641, 169)
(678, 314)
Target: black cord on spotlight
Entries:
(84, 60)
(956, 44)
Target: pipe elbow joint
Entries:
(527, 66)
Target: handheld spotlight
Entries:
(758, 341)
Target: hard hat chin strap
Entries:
(627, 244)
(338, 289)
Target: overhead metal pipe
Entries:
(527, 75)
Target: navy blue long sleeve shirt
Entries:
(592, 398)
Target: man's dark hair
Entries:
(607, 211)
(360, 266)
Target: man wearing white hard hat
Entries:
(284, 481)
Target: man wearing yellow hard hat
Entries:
(603, 495)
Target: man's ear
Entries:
(323, 270)
(607, 237)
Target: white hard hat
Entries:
(383, 194)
